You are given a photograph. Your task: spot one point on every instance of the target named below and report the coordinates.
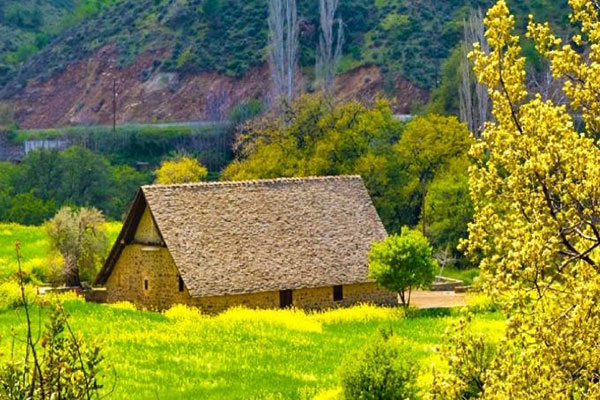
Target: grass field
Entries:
(242, 354)
(34, 247)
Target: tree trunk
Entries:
(283, 47)
(71, 271)
(474, 101)
(329, 50)
(402, 295)
(423, 211)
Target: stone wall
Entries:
(368, 293)
(145, 274)
(139, 264)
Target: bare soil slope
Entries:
(83, 93)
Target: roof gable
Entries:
(146, 231)
(254, 236)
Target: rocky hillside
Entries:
(83, 93)
(196, 59)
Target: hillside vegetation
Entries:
(230, 36)
(28, 26)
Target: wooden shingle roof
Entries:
(264, 235)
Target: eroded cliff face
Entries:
(83, 93)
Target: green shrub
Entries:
(59, 365)
(380, 371)
(481, 303)
(402, 262)
(27, 209)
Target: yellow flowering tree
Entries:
(535, 187)
(184, 170)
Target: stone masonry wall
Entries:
(368, 293)
(155, 265)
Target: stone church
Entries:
(292, 242)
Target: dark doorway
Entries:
(338, 293)
(285, 298)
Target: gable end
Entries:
(136, 214)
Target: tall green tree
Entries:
(8, 176)
(42, 174)
(427, 146)
(85, 177)
(124, 184)
(76, 176)
(448, 208)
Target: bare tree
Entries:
(474, 101)
(329, 52)
(283, 46)
(444, 258)
(543, 83)
(81, 238)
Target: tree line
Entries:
(31, 192)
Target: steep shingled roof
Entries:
(264, 235)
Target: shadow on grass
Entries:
(430, 312)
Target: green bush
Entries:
(27, 209)
(401, 263)
(380, 371)
(468, 357)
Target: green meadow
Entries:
(242, 354)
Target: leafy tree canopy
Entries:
(402, 262)
(184, 170)
(448, 208)
(536, 227)
(397, 162)
(48, 179)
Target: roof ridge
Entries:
(255, 182)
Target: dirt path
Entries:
(438, 299)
